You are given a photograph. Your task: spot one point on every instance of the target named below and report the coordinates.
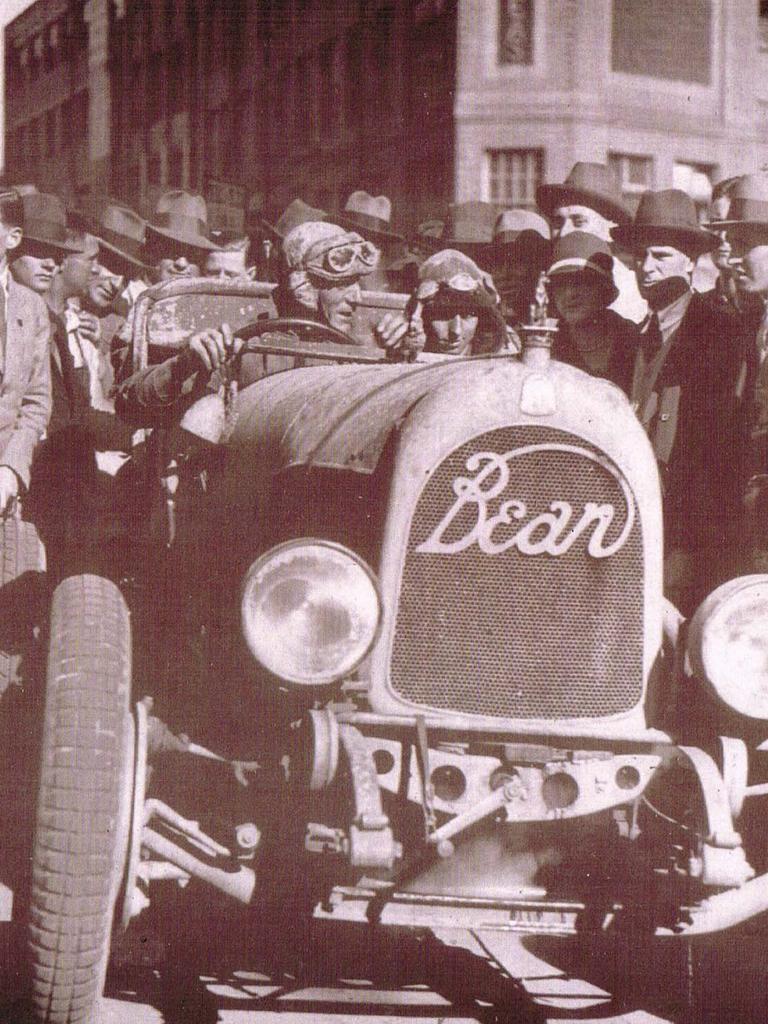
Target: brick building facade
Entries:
(256, 101)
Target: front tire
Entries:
(83, 799)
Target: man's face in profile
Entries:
(749, 258)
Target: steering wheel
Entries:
(296, 326)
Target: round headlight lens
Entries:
(310, 611)
(728, 644)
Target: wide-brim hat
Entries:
(122, 232)
(119, 229)
(748, 204)
(45, 220)
(296, 212)
(580, 252)
(369, 215)
(180, 217)
(588, 184)
(667, 217)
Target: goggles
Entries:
(347, 259)
(458, 296)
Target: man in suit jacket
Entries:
(688, 390)
(25, 383)
(745, 226)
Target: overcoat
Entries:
(697, 420)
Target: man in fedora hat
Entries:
(177, 238)
(25, 397)
(590, 200)
(745, 225)
(371, 217)
(686, 390)
(122, 278)
(44, 243)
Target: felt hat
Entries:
(522, 230)
(588, 184)
(667, 217)
(45, 220)
(370, 215)
(83, 243)
(748, 204)
(180, 217)
(519, 226)
(580, 252)
(121, 231)
(296, 212)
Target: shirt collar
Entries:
(4, 276)
(671, 315)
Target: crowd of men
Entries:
(668, 305)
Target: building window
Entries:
(762, 12)
(514, 175)
(515, 31)
(695, 179)
(662, 40)
(634, 174)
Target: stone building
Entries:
(256, 101)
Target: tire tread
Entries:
(89, 672)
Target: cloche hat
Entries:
(581, 252)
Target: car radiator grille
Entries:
(522, 635)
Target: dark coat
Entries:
(697, 420)
(626, 338)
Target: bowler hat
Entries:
(581, 252)
(748, 204)
(181, 217)
(296, 212)
(45, 220)
(587, 184)
(370, 215)
(667, 217)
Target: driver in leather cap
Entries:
(325, 264)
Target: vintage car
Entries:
(426, 601)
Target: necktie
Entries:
(653, 339)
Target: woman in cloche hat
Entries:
(591, 336)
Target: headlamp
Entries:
(728, 644)
(310, 611)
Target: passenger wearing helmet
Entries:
(455, 308)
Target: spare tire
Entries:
(83, 799)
